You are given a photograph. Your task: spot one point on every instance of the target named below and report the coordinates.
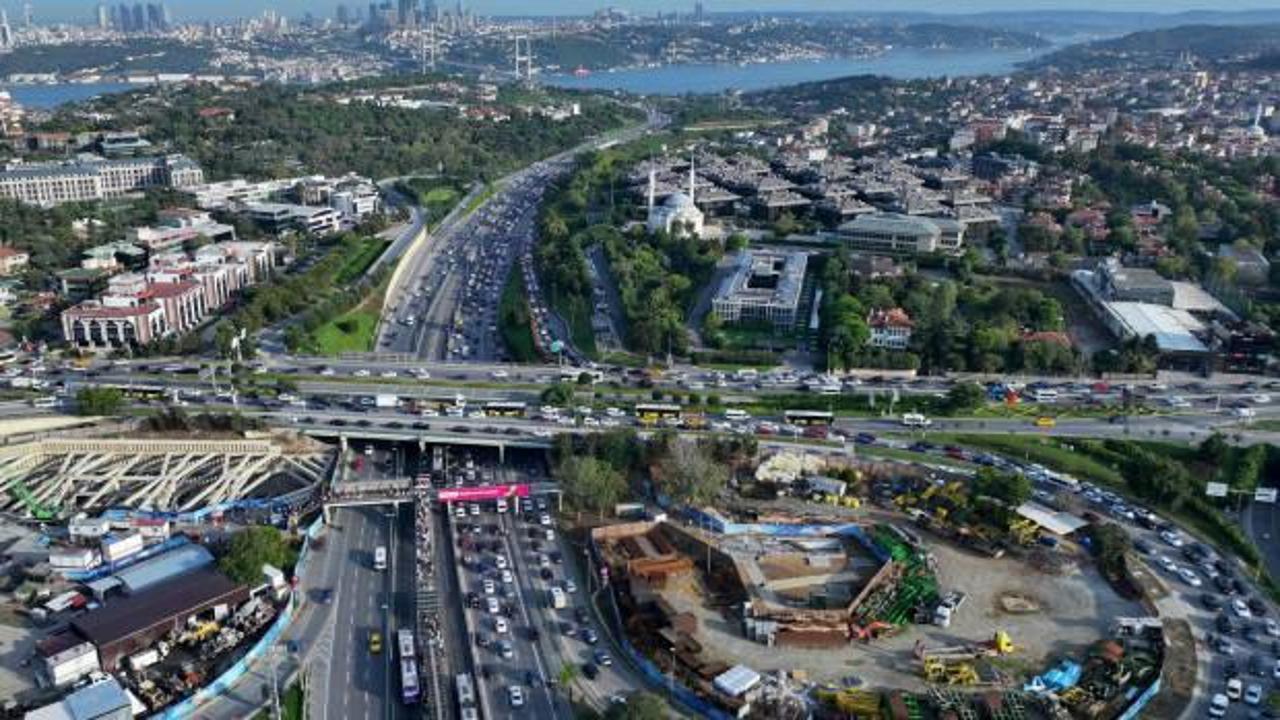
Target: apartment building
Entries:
(93, 178)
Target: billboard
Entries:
(484, 492)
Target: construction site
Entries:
(947, 605)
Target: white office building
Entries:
(764, 287)
(85, 180)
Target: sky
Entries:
(62, 10)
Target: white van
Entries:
(916, 420)
(736, 415)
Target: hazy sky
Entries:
(72, 9)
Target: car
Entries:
(1171, 538)
(501, 626)
(516, 695)
(1218, 705)
(1240, 609)
(491, 604)
(603, 658)
(1168, 565)
(1142, 547)
(591, 671)
(500, 561)
(1256, 606)
(1254, 666)
(589, 635)
(505, 649)
(1046, 422)
(1275, 670)
(489, 587)
(1189, 577)
(1223, 645)
(544, 519)
(375, 642)
(570, 586)
(1224, 624)
(507, 577)
(1253, 694)
(1211, 602)
(1235, 689)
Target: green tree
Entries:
(642, 705)
(690, 475)
(965, 397)
(252, 548)
(590, 484)
(1010, 488)
(736, 242)
(99, 401)
(559, 394)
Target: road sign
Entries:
(1264, 495)
(1216, 489)
(484, 492)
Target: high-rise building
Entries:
(6, 33)
(28, 16)
(102, 17)
(404, 13)
(430, 11)
(340, 14)
(154, 20)
(139, 20)
(698, 13)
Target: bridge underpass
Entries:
(65, 476)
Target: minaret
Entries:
(693, 179)
(653, 188)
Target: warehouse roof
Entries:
(164, 566)
(94, 701)
(163, 603)
(736, 681)
(1058, 523)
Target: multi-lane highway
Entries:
(355, 681)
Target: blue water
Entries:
(44, 97)
(900, 64)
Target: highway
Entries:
(356, 682)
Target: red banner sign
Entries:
(485, 492)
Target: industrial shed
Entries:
(132, 624)
(163, 567)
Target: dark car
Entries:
(1211, 601)
(1142, 547)
(1257, 607)
(1229, 668)
(1256, 666)
(580, 614)
(1224, 625)
(591, 671)
(590, 636)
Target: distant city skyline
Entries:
(84, 10)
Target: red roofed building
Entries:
(890, 328)
(92, 325)
(183, 303)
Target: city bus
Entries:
(809, 417)
(409, 689)
(504, 409)
(653, 413)
(380, 558)
(404, 642)
(466, 692)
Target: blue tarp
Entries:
(1057, 679)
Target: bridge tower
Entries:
(524, 59)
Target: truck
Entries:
(947, 608)
(384, 400)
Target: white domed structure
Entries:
(677, 211)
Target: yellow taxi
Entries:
(375, 642)
(1045, 422)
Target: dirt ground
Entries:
(1061, 616)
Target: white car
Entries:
(1235, 689)
(516, 695)
(1167, 564)
(499, 374)
(500, 562)
(500, 625)
(489, 587)
(1240, 609)
(544, 519)
(491, 604)
(1218, 706)
(388, 373)
(474, 509)
(361, 373)
(1171, 538)
(1189, 577)
(507, 577)
(1253, 694)
(1272, 627)
(570, 586)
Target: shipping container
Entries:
(74, 559)
(119, 547)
